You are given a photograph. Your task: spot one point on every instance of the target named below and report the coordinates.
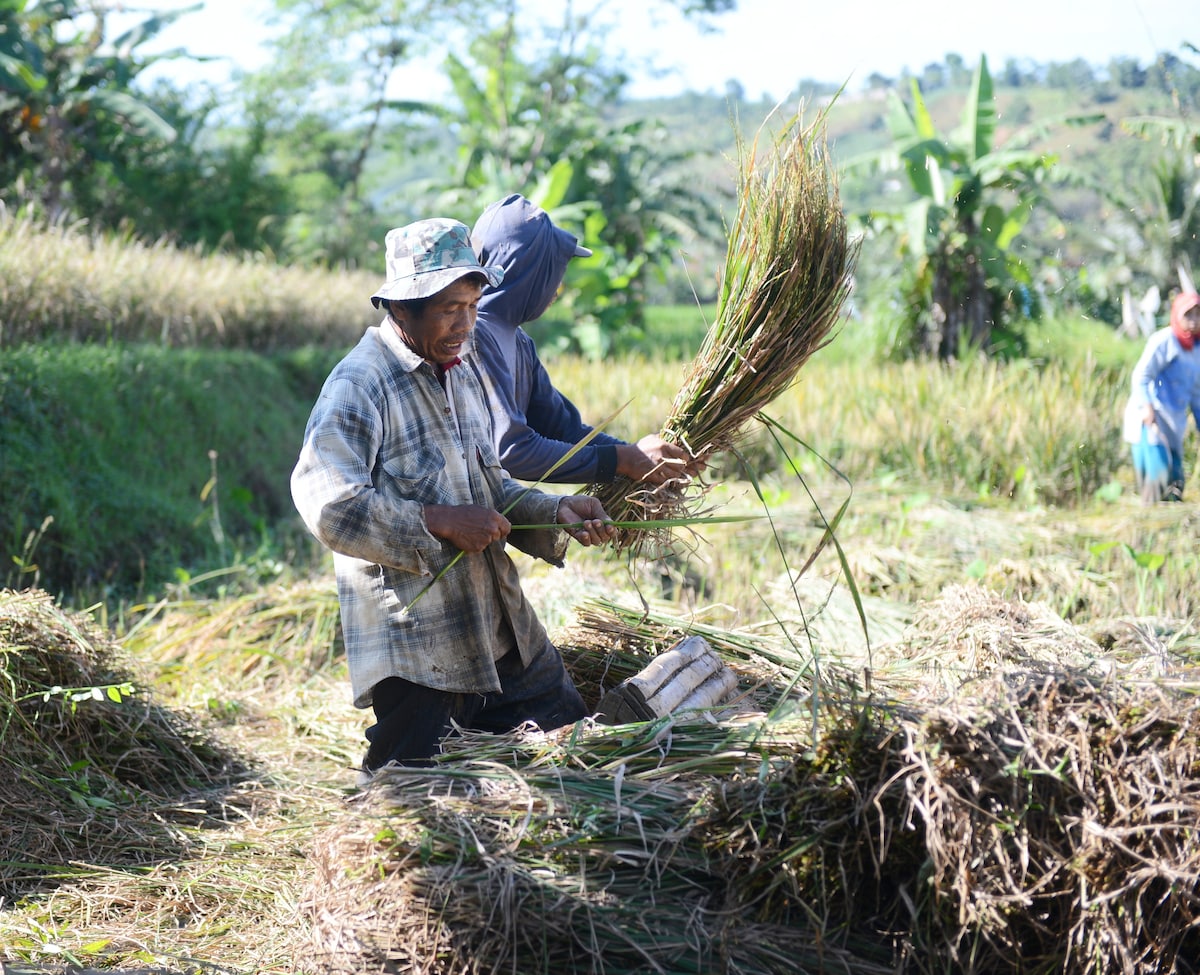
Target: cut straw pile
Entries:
(1041, 818)
(786, 276)
(92, 771)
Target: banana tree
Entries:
(542, 127)
(965, 284)
(1165, 210)
(66, 95)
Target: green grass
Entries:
(150, 463)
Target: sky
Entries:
(769, 45)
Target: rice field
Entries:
(964, 737)
(71, 284)
(232, 837)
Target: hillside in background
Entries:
(1107, 171)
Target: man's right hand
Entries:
(469, 527)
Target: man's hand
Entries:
(469, 527)
(653, 460)
(1148, 419)
(590, 525)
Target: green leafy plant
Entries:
(965, 283)
(67, 96)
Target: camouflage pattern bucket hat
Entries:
(427, 256)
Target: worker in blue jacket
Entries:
(535, 425)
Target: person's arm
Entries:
(333, 491)
(582, 517)
(554, 417)
(534, 426)
(1145, 374)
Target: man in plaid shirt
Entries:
(397, 475)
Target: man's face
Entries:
(1191, 320)
(439, 334)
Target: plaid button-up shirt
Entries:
(383, 440)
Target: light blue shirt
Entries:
(1168, 377)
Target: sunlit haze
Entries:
(769, 45)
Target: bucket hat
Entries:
(426, 256)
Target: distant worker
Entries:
(535, 424)
(1165, 385)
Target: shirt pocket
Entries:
(417, 473)
(493, 480)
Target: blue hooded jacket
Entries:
(534, 424)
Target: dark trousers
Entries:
(411, 720)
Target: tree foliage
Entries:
(521, 112)
(965, 282)
(81, 140)
(67, 102)
(1166, 204)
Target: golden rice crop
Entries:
(786, 276)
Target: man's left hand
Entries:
(589, 524)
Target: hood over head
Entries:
(518, 236)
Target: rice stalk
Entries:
(786, 276)
(589, 833)
(92, 769)
(1034, 811)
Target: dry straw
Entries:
(63, 282)
(92, 770)
(786, 276)
(1039, 817)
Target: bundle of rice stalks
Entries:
(91, 770)
(611, 642)
(1046, 825)
(538, 854)
(1065, 817)
(970, 630)
(1040, 818)
(786, 276)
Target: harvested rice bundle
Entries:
(91, 769)
(1061, 823)
(1045, 823)
(569, 852)
(787, 274)
(1038, 817)
(969, 630)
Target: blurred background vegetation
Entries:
(1019, 189)
(155, 236)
